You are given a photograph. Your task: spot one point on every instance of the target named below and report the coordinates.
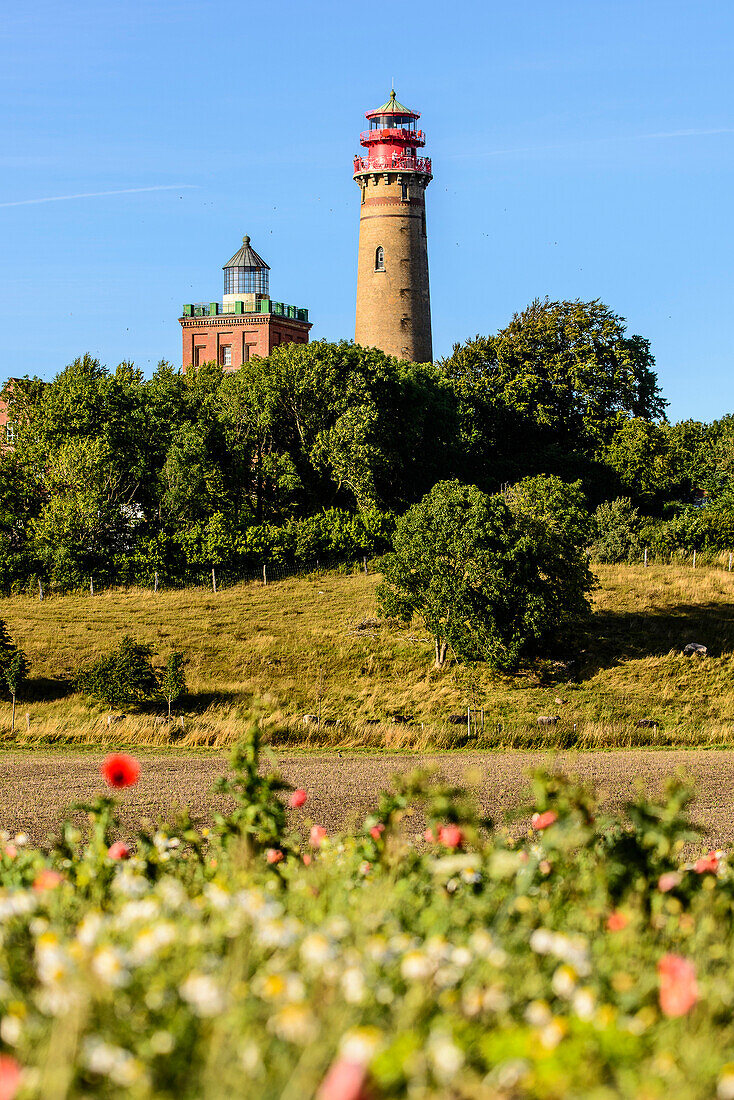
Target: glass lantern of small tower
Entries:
(246, 278)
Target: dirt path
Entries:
(36, 786)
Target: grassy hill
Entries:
(310, 644)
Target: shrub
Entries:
(616, 531)
(121, 677)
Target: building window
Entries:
(364, 192)
(379, 258)
(225, 355)
(10, 433)
(405, 192)
(199, 353)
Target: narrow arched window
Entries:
(379, 258)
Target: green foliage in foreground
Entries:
(491, 577)
(584, 961)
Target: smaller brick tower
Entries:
(393, 299)
(246, 322)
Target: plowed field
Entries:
(36, 786)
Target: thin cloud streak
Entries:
(99, 194)
(593, 141)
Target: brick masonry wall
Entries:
(394, 305)
(247, 335)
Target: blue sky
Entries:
(580, 149)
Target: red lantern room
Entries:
(392, 141)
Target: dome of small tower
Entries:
(246, 272)
(393, 107)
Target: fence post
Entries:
(730, 562)
(694, 559)
(28, 721)
(468, 721)
(214, 581)
(40, 587)
(181, 719)
(155, 581)
(645, 557)
(91, 586)
(365, 564)
(265, 574)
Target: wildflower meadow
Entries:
(264, 958)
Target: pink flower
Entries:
(9, 1077)
(118, 850)
(11, 851)
(120, 770)
(47, 880)
(317, 836)
(616, 921)
(297, 798)
(376, 831)
(709, 862)
(306, 859)
(542, 821)
(678, 989)
(668, 881)
(273, 855)
(451, 836)
(344, 1081)
(429, 837)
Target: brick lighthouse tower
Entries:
(393, 298)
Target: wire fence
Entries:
(647, 556)
(215, 578)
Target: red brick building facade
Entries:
(247, 322)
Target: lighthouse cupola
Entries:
(393, 298)
(246, 276)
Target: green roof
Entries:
(393, 107)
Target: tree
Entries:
(173, 679)
(483, 578)
(120, 677)
(548, 390)
(14, 671)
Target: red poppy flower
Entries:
(118, 850)
(47, 880)
(297, 798)
(376, 831)
(317, 835)
(120, 770)
(709, 862)
(10, 1072)
(542, 821)
(429, 837)
(616, 921)
(344, 1081)
(273, 855)
(669, 880)
(450, 835)
(306, 859)
(678, 988)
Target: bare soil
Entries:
(36, 787)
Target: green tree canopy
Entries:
(492, 580)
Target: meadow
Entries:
(315, 646)
(267, 957)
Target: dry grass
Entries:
(301, 644)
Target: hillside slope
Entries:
(314, 644)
